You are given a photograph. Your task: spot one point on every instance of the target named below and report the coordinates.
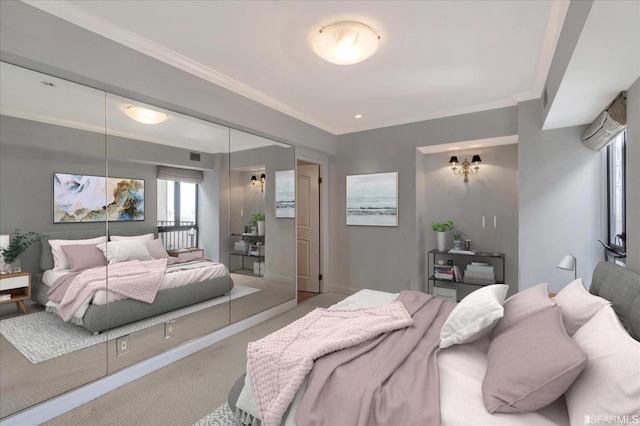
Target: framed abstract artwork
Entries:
(372, 199)
(86, 198)
(285, 194)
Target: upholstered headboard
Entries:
(621, 287)
(46, 257)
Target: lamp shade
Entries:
(345, 43)
(253, 179)
(568, 262)
(263, 177)
(476, 159)
(453, 160)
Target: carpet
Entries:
(221, 416)
(43, 336)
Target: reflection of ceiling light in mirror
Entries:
(144, 115)
(358, 116)
(345, 43)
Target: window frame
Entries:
(176, 212)
(618, 242)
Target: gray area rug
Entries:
(221, 416)
(43, 336)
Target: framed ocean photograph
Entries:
(86, 198)
(285, 194)
(372, 199)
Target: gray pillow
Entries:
(523, 304)
(531, 364)
(156, 249)
(83, 256)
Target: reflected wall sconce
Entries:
(259, 183)
(570, 263)
(144, 115)
(465, 168)
(345, 43)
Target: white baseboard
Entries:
(278, 278)
(331, 288)
(66, 402)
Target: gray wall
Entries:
(392, 259)
(633, 177)
(560, 201)
(492, 192)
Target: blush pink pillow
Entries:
(83, 256)
(578, 305)
(610, 383)
(530, 364)
(156, 249)
(523, 304)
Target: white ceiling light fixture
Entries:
(145, 115)
(345, 43)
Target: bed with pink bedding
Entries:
(140, 281)
(531, 359)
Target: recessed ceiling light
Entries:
(453, 148)
(48, 83)
(144, 115)
(345, 43)
(358, 116)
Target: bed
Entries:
(183, 288)
(534, 359)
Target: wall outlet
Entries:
(123, 345)
(169, 328)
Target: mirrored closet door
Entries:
(52, 159)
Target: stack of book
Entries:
(479, 273)
(443, 273)
(256, 250)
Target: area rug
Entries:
(43, 336)
(221, 416)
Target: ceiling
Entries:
(436, 58)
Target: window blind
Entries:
(609, 124)
(180, 175)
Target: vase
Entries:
(442, 241)
(12, 267)
(261, 228)
(457, 244)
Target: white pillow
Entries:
(121, 251)
(475, 316)
(145, 237)
(610, 383)
(578, 305)
(60, 260)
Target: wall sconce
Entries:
(259, 183)
(466, 168)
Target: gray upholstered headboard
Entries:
(46, 257)
(621, 287)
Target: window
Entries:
(616, 233)
(177, 213)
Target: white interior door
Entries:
(308, 219)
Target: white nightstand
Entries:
(17, 286)
(187, 253)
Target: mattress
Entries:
(174, 278)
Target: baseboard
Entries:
(66, 402)
(278, 278)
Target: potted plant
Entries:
(441, 231)
(458, 239)
(258, 219)
(18, 244)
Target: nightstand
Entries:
(17, 286)
(186, 253)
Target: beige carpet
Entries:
(187, 390)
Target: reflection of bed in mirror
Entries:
(182, 284)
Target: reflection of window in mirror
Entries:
(178, 213)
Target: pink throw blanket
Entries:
(135, 279)
(280, 361)
(390, 380)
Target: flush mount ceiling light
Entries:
(144, 115)
(345, 43)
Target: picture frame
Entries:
(372, 199)
(285, 188)
(87, 198)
